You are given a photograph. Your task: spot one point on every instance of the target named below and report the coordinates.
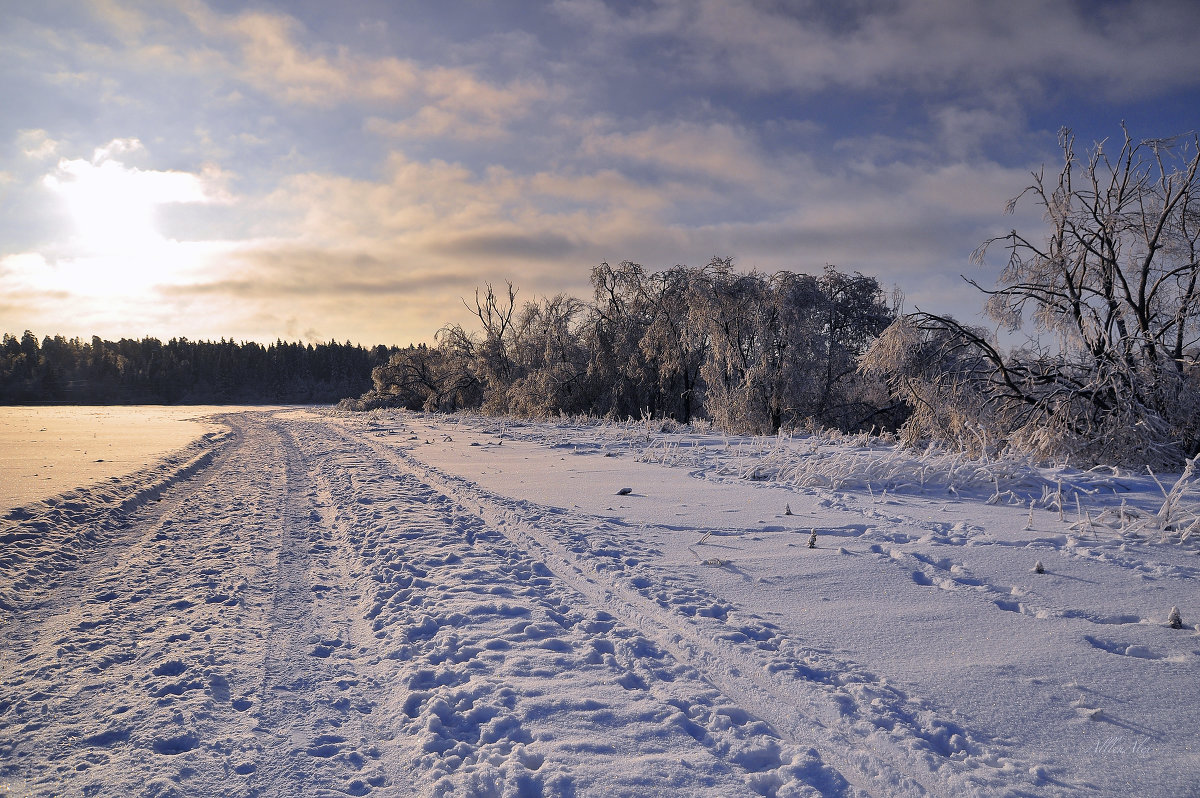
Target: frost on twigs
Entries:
(812, 540)
(1179, 513)
(1038, 568)
(1093, 371)
(1174, 620)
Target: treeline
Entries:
(748, 352)
(180, 371)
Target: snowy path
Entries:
(297, 607)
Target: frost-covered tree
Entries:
(493, 365)
(784, 348)
(1111, 299)
(728, 309)
(548, 358)
(747, 351)
(623, 377)
(855, 312)
(674, 345)
(937, 369)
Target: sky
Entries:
(352, 171)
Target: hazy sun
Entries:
(112, 207)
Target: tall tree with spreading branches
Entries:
(1110, 371)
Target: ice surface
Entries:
(46, 450)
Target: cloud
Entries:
(715, 151)
(113, 204)
(36, 144)
(1118, 49)
(407, 245)
(457, 105)
(266, 272)
(269, 54)
(508, 245)
(372, 172)
(273, 61)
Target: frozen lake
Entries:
(47, 450)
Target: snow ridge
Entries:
(42, 539)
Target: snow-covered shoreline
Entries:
(401, 604)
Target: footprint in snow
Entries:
(1121, 649)
(178, 744)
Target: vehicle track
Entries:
(451, 568)
(889, 744)
(298, 609)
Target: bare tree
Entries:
(494, 364)
(1114, 287)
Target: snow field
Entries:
(47, 450)
(398, 604)
(931, 589)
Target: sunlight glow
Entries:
(113, 206)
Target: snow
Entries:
(46, 450)
(315, 603)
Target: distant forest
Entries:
(74, 371)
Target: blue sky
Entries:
(315, 170)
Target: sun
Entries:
(112, 211)
(112, 208)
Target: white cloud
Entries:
(115, 148)
(715, 151)
(36, 144)
(113, 204)
(513, 156)
(454, 104)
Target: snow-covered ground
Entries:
(312, 603)
(46, 450)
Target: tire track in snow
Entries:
(141, 670)
(429, 649)
(877, 738)
(313, 731)
(97, 691)
(472, 614)
(41, 541)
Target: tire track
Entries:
(45, 540)
(469, 609)
(891, 745)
